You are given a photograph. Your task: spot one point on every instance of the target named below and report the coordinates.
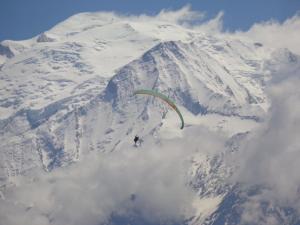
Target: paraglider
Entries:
(137, 141)
(136, 138)
(164, 98)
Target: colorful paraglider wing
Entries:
(164, 98)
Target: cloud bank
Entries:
(149, 183)
(270, 158)
(277, 35)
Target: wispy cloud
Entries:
(270, 157)
(181, 16)
(214, 25)
(149, 181)
(277, 35)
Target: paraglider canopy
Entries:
(164, 98)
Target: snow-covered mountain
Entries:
(68, 93)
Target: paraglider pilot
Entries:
(136, 138)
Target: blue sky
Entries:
(22, 19)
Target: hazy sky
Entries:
(21, 19)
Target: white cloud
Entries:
(253, 213)
(277, 35)
(150, 181)
(183, 15)
(270, 158)
(214, 25)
